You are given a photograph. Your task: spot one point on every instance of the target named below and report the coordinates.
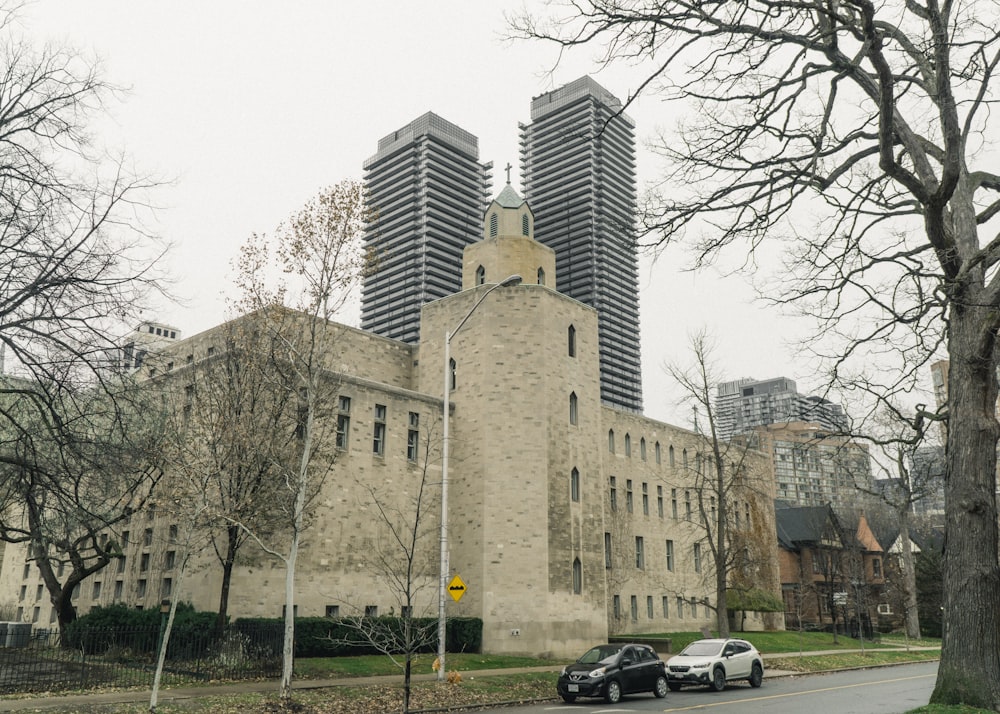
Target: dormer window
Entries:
(494, 225)
(524, 225)
(480, 275)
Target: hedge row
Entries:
(331, 637)
(138, 630)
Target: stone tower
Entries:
(526, 491)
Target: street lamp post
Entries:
(443, 585)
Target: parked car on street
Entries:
(610, 671)
(715, 662)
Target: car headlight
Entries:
(598, 673)
(563, 673)
(700, 665)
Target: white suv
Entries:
(714, 662)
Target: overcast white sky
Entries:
(251, 108)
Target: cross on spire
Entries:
(508, 168)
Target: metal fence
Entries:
(112, 657)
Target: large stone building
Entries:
(568, 519)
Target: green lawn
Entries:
(793, 641)
(371, 665)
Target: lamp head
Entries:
(511, 280)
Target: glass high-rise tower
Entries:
(429, 192)
(578, 169)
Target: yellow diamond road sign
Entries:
(456, 588)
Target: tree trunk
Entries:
(969, 671)
(909, 576)
(227, 578)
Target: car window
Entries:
(646, 654)
(741, 647)
(630, 653)
(599, 654)
(702, 648)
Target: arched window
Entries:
(494, 225)
(480, 275)
(541, 277)
(571, 340)
(572, 408)
(642, 448)
(524, 225)
(451, 370)
(670, 454)
(684, 458)
(656, 448)
(628, 445)
(611, 440)
(574, 485)
(577, 576)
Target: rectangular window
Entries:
(97, 590)
(628, 495)
(649, 606)
(120, 567)
(378, 440)
(645, 498)
(144, 563)
(607, 551)
(697, 557)
(670, 556)
(39, 591)
(680, 608)
(673, 503)
(666, 606)
(35, 614)
(659, 501)
(876, 568)
(343, 422)
(371, 610)
(640, 555)
(634, 607)
(27, 570)
(687, 505)
(140, 588)
(613, 498)
(169, 558)
(413, 437)
(147, 536)
(166, 588)
(125, 537)
(172, 533)
(333, 610)
(24, 588)
(119, 589)
(616, 606)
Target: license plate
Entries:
(572, 687)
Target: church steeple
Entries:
(508, 246)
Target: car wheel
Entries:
(674, 687)
(660, 688)
(756, 675)
(568, 698)
(613, 694)
(718, 679)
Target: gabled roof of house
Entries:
(803, 525)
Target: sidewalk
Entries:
(69, 702)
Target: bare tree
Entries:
(232, 429)
(728, 477)
(403, 560)
(320, 252)
(67, 482)
(855, 129)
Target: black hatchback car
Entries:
(610, 671)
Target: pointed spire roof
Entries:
(508, 198)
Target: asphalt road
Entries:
(884, 690)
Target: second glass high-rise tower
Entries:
(578, 168)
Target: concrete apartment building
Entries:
(746, 403)
(428, 191)
(578, 168)
(568, 519)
